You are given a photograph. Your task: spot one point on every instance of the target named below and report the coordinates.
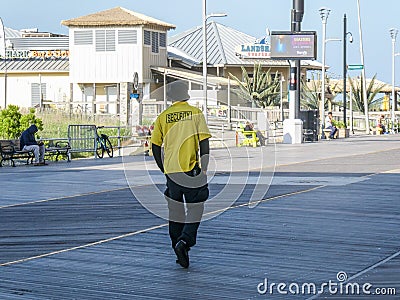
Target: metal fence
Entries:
(82, 138)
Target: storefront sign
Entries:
(253, 51)
(37, 53)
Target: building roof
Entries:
(40, 43)
(11, 33)
(34, 65)
(117, 16)
(386, 87)
(221, 44)
(193, 76)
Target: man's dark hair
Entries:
(178, 91)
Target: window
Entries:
(35, 94)
(105, 40)
(154, 42)
(127, 37)
(84, 37)
(163, 40)
(147, 38)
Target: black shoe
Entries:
(182, 254)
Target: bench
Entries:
(10, 150)
(247, 138)
(57, 148)
(327, 133)
(377, 130)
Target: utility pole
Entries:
(293, 127)
(344, 69)
(296, 19)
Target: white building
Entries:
(107, 50)
(35, 68)
(92, 69)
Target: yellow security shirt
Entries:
(180, 128)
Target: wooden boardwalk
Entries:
(332, 207)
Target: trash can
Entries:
(310, 120)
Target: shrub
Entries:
(13, 122)
(338, 124)
(29, 119)
(10, 122)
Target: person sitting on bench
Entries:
(250, 127)
(380, 124)
(29, 143)
(329, 125)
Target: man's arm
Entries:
(157, 156)
(204, 154)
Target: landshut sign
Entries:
(253, 51)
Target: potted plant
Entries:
(343, 132)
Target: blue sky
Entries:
(249, 16)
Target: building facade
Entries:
(109, 57)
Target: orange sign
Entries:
(50, 53)
(37, 53)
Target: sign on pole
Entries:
(294, 45)
(355, 67)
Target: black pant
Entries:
(183, 224)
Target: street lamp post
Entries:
(345, 33)
(8, 45)
(393, 35)
(363, 73)
(324, 13)
(205, 18)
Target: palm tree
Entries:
(311, 92)
(263, 89)
(357, 91)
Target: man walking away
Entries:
(183, 131)
(29, 143)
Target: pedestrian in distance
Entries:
(182, 131)
(28, 143)
(381, 124)
(329, 125)
(250, 127)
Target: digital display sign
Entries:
(293, 45)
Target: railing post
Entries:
(119, 141)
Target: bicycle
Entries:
(103, 144)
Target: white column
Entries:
(364, 83)
(205, 60)
(393, 33)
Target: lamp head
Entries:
(324, 13)
(393, 33)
